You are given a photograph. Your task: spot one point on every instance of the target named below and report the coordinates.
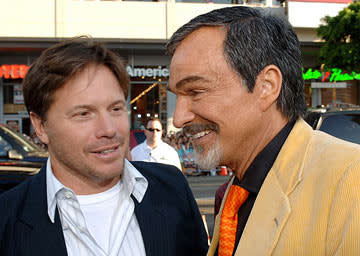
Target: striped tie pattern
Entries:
(229, 219)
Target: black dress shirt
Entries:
(255, 176)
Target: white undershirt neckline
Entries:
(99, 211)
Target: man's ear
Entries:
(39, 126)
(269, 83)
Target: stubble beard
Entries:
(209, 160)
(84, 171)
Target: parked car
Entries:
(15, 146)
(19, 158)
(13, 172)
(341, 122)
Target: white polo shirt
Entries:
(163, 153)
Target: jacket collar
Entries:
(150, 214)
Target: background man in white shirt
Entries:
(88, 199)
(153, 149)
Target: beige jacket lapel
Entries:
(266, 220)
(215, 238)
(272, 207)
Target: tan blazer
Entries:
(309, 203)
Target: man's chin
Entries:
(208, 159)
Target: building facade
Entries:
(322, 87)
(138, 31)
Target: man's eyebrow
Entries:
(189, 79)
(121, 101)
(77, 108)
(90, 106)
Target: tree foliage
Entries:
(341, 35)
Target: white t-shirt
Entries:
(163, 153)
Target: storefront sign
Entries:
(332, 75)
(328, 85)
(13, 71)
(147, 72)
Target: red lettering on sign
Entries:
(6, 71)
(327, 74)
(14, 71)
(15, 74)
(23, 70)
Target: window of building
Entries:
(13, 98)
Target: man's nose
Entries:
(106, 126)
(183, 112)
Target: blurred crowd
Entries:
(183, 145)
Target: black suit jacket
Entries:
(168, 217)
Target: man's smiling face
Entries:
(213, 104)
(87, 131)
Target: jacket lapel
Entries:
(269, 214)
(264, 224)
(42, 236)
(216, 232)
(151, 221)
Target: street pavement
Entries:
(204, 188)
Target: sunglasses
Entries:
(153, 129)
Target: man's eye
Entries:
(196, 92)
(118, 108)
(82, 114)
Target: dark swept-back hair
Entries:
(60, 63)
(153, 119)
(254, 40)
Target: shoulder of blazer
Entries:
(19, 192)
(24, 202)
(16, 201)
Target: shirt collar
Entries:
(259, 168)
(133, 181)
(53, 185)
(146, 146)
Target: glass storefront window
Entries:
(13, 98)
(148, 94)
(150, 104)
(145, 106)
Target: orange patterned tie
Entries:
(229, 219)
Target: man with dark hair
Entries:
(88, 199)
(237, 74)
(153, 149)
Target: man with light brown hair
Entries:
(88, 199)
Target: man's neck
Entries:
(152, 145)
(268, 133)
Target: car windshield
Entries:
(346, 127)
(25, 144)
